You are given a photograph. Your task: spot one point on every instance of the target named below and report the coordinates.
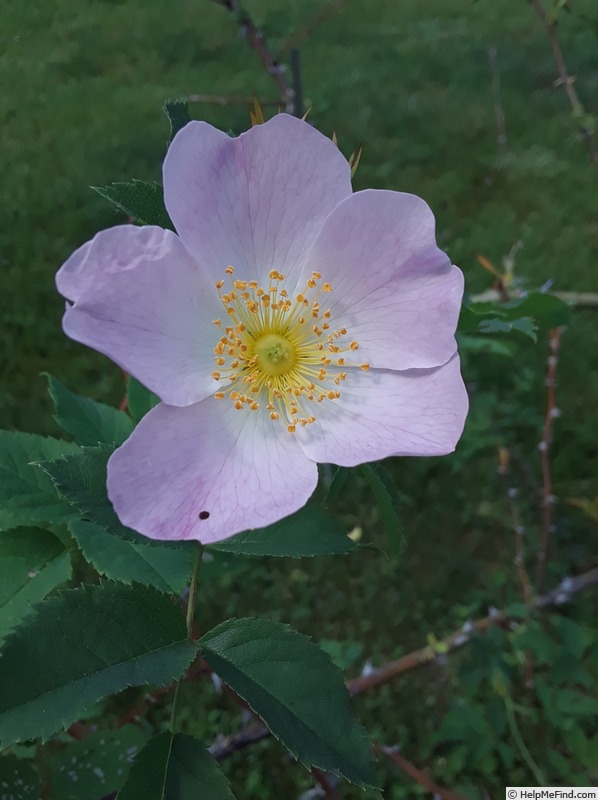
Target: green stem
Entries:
(193, 590)
(525, 753)
(189, 620)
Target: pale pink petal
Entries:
(142, 301)
(257, 201)
(392, 288)
(383, 413)
(114, 250)
(180, 464)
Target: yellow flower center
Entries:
(279, 351)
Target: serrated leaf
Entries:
(525, 325)
(178, 115)
(32, 563)
(83, 645)
(18, 779)
(296, 689)
(81, 479)
(310, 532)
(27, 495)
(139, 399)
(163, 567)
(387, 497)
(86, 420)
(95, 767)
(138, 199)
(175, 767)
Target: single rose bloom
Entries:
(289, 321)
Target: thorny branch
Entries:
(224, 747)
(418, 775)
(257, 42)
(547, 496)
(585, 130)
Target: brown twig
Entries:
(566, 589)
(257, 42)
(325, 783)
(547, 496)
(550, 23)
(512, 492)
(518, 527)
(418, 775)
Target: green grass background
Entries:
(83, 84)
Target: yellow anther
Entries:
(270, 357)
(364, 367)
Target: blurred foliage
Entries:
(411, 82)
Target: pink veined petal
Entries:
(111, 251)
(142, 301)
(207, 472)
(393, 289)
(384, 413)
(257, 201)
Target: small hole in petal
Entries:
(204, 514)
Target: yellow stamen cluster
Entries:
(276, 351)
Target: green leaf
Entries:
(387, 497)
(175, 767)
(97, 766)
(32, 563)
(546, 310)
(163, 567)
(138, 199)
(139, 399)
(83, 645)
(18, 779)
(178, 115)
(81, 479)
(26, 494)
(524, 325)
(296, 689)
(310, 532)
(337, 484)
(484, 344)
(87, 421)
(576, 703)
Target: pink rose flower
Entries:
(289, 321)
